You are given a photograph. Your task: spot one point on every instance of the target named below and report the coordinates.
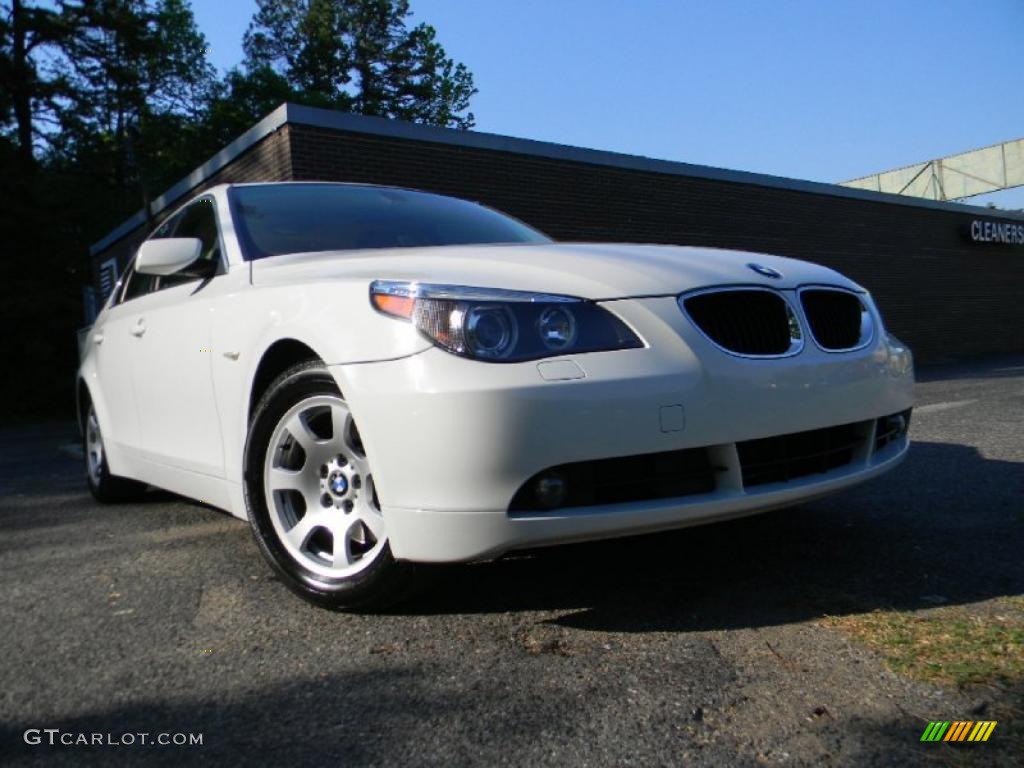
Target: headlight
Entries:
(502, 326)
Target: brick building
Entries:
(949, 278)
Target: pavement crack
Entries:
(782, 659)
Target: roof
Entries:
(296, 114)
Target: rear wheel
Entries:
(105, 487)
(312, 503)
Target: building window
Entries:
(108, 278)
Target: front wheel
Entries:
(312, 503)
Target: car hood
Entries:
(591, 271)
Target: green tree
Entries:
(26, 94)
(359, 56)
(240, 99)
(139, 83)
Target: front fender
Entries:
(334, 319)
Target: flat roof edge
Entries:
(316, 117)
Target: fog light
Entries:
(897, 424)
(550, 490)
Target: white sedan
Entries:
(377, 377)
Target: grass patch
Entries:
(953, 645)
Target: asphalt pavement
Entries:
(697, 647)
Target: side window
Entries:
(165, 229)
(137, 285)
(198, 220)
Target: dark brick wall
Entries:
(945, 296)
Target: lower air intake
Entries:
(785, 457)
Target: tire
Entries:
(309, 492)
(104, 487)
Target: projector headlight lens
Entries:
(497, 325)
(490, 332)
(557, 328)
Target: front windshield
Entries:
(273, 219)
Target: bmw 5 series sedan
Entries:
(377, 377)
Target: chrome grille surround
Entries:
(792, 319)
(866, 330)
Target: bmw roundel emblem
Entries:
(338, 484)
(761, 269)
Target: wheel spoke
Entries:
(302, 530)
(352, 448)
(301, 480)
(340, 419)
(372, 519)
(288, 480)
(302, 434)
(342, 545)
(361, 464)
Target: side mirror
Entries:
(167, 255)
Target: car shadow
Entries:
(945, 528)
(403, 715)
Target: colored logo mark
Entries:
(958, 730)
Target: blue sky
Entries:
(824, 90)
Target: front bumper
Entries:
(452, 440)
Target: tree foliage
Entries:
(27, 33)
(359, 56)
(138, 85)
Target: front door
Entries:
(173, 368)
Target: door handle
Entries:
(97, 338)
(139, 328)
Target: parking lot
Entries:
(706, 646)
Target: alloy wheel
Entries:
(319, 489)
